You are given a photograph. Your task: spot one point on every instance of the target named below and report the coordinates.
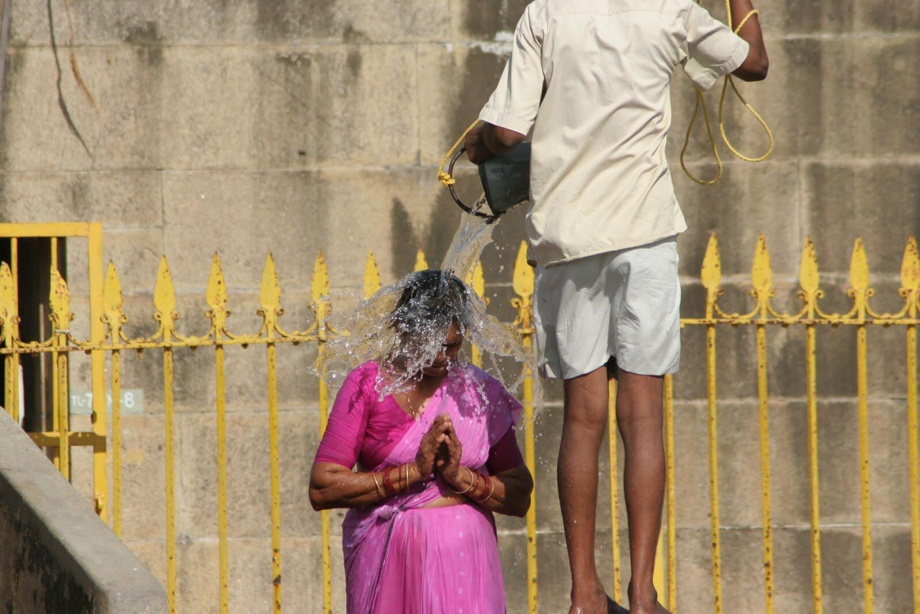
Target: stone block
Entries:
(876, 202)
(143, 470)
(134, 251)
(455, 81)
(248, 473)
(321, 105)
(117, 199)
(482, 20)
(252, 22)
(122, 131)
(310, 211)
(302, 575)
(746, 203)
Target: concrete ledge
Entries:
(56, 555)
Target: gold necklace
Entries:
(412, 410)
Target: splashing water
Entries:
(403, 327)
(472, 236)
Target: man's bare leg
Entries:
(583, 427)
(640, 420)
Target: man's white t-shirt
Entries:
(591, 77)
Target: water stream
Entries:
(404, 325)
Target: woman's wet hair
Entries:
(431, 302)
(403, 327)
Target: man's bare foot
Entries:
(596, 602)
(652, 608)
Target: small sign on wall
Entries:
(81, 402)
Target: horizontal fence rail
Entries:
(112, 342)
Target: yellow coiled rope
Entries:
(443, 176)
(447, 180)
(701, 102)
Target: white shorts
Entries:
(623, 304)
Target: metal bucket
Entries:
(505, 180)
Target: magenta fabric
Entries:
(398, 556)
(363, 428)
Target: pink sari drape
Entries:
(402, 558)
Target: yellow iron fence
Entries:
(108, 341)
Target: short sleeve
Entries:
(341, 443)
(713, 49)
(516, 99)
(505, 454)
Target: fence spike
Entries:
(859, 268)
(112, 302)
(711, 273)
(523, 274)
(7, 297)
(320, 287)
(270, 290)
(371, 276)
(761, 273)
(164, 297)
(60, 301)
(910, 266)
(420, 263)
(216, 296)
(808, 269)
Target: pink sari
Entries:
(402, 558)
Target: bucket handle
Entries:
(450, 169)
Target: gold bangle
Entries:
(469, 488)
(407, 476)
(380, 490)
(491, 490)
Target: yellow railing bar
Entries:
(522, 283)
(222, 530)
(913, 434)
(116, 444)
(319, 293)
(11, 330)
(811, 377)
(612, 457)
(217, 312)
(762, 279)
(169, 451)
(112, 308)
(764, 412)
(670, 596)
(270, 300)
(859, 290)
(809, 282)
(49, 229)
(713, 468)
(711, 275)
(97, 334)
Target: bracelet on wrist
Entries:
(468, 488)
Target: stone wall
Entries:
(57, 555)
(260, 125)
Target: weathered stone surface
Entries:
(42, 139)
(212, 22)
(126, 197)
(872, 201)
(336, 104)
(248, 473)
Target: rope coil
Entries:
(701, 102)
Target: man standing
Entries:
(591, 79)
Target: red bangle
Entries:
(387, 482)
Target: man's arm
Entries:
(486, 140)
(755, 65)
